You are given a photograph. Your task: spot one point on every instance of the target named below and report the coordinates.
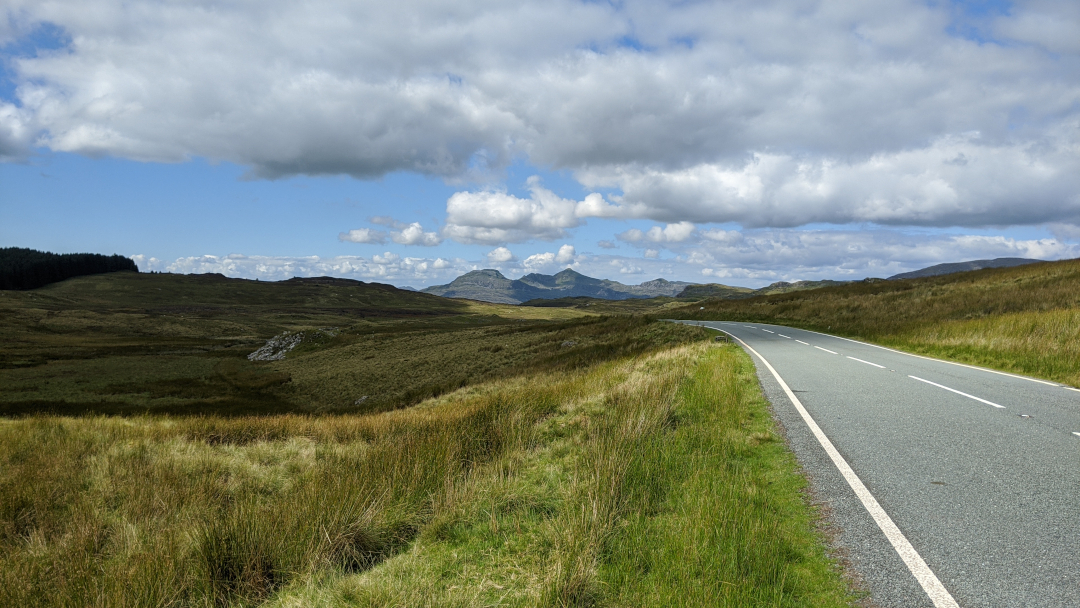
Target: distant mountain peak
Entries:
(490, 285)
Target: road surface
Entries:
(962, 485)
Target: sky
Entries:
(739, 142)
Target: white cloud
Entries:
(363, 235)
(652, 253)
(492, 217)
(605, 244)
(671, 233)
(540, 261)
(769, 114)
(414, 234)
(500, 255)
(387, 267)
(566, 254)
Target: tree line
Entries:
(29, 269)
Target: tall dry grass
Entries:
(151, 512)
(580, 487)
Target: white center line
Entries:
(1075, 433)
(867, 362)
(771, 332)
(958, 392)
(748, 326)
(930, 583)
(992, 371)
(783, 336)
(826, 350)
(801, 342)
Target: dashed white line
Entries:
(958, 392)
(867, 362)
(930, 583)
(749, 327)
(801, 342)
(992, 371)
(783, 336)
(771, 332)
(1075, 433)
(826, 350)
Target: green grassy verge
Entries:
(1024, 319)
(643, 480)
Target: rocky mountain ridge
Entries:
(490, 285)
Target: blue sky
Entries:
(736, 142)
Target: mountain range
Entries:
(491, 286)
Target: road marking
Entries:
(939, 595)
(1069, 388)
(867, 362)
(771, 332)
(783, 336)
(801, 342)
(749, 326)
(826, 350)
(992, 371)
(958, 392)
(1075, 433)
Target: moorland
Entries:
(418, 450)
(411, 450)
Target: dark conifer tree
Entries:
(22, 268)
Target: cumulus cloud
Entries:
(363, 235)
(954, 181)
(492, 217)
(605, 244)
(671, 233)
(759, 257)
(386, 267)
(565, 255)
(414, 234)
(769, 114)
(500, 255)
(541, 261)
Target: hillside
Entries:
(1024, 318)
(940, 269)
(491, 286)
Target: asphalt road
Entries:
(979, 470)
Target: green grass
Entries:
(1021, 319)
(569, 488)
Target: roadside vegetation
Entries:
(648, 480)
(1024, 319)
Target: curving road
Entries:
(962, 485)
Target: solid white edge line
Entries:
(1069, 388)
(801, 342)
(866, 362)
(939, 595)
(992, 371)
(958, 392)
(826, 350)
